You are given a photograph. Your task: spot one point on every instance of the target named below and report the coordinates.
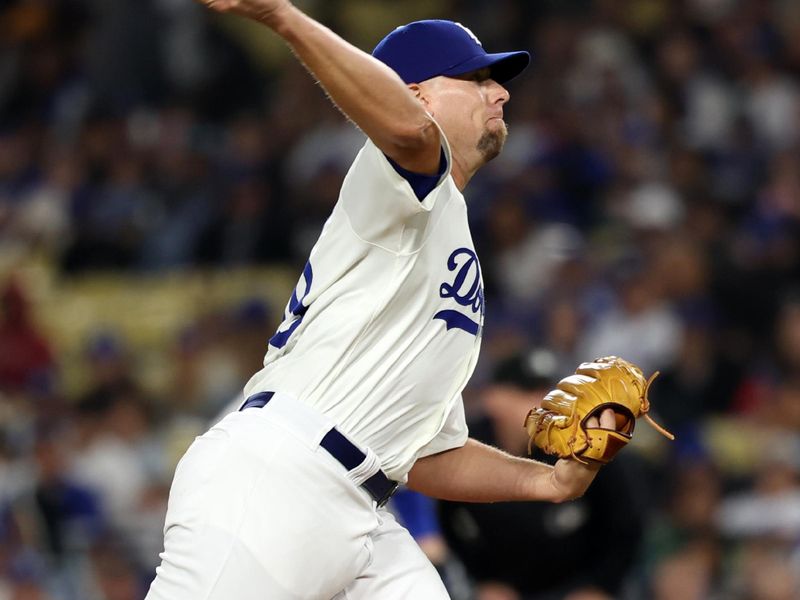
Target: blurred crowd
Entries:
(647, 204)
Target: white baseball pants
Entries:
(258, 511)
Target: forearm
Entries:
(367, 91)
(479, 473)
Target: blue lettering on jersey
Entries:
(465, 289)
(295, 311)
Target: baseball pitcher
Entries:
(361, 385)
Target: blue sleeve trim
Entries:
(421, 184)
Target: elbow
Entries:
(415, 147)
(411, 137)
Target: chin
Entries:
(491, 142)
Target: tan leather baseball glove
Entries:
(559, 425)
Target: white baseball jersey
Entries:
(383, 330)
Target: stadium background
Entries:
(164, 172)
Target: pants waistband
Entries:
(359, 465)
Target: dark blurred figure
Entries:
(683, 549)
(29, 590)
(769, 389)
(47, 525)
(540, 551)
(108, 360)
(118, 454)
(245, 231)
(25, 353)
(112, 217)
(114, 573)
(700, 383)
(68, 511)
(787, 334)
(769, 570)
(251, 323)
(686, 575)
(214, 356)
(643, 326)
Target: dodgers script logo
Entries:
(465, 289)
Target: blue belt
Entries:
(379, 486)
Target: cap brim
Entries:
(504, 65)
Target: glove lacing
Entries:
(646, 408)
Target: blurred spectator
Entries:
(682, 548)
(25, 353)
(29, 590)
(40, 219)
(787, 331)
(252, 322)
(181, 183)
(245, 231)
(699, 382)
(108, 361)
(69, 510)
(216, 355)
(112, 217)
(688, 574)
(771, 508)
(119, 457)
(526, 268)
(768, 572)
(48, 525)
(563, 323)
(643, 327)
(114, 575)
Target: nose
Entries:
(498, 94)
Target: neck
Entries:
(461, 170)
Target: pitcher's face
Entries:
(469, 109)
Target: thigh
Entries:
(254, 514)
(398, 571)
(214, 566)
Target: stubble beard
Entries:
(490, 144)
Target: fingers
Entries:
(607, 420)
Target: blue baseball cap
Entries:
(425, 49)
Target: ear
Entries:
(421, 95)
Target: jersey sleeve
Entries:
(453, 435)
(380, 203)
(422, 184)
